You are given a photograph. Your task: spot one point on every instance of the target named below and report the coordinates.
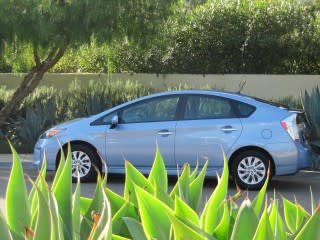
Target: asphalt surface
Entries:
(292, 187)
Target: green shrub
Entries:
(289, 101)
(87, 58)
(18, 58)
(312, 108)
(231, 37)
(277, 37)
(147, 210)
(5, 94)
(247, 37)
(97, 96)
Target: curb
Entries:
(7, 158)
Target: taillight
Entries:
(290, 125)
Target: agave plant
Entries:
(312, 108)
(147, 210)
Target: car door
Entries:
(142, 126)
(207, 127)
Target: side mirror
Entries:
(114, 121)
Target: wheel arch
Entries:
(78, 142)
(253, 148)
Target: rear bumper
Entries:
(299, 158)
(304, 156)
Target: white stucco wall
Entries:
(264, 86)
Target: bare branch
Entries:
(36, 57)
(30, 82)
(53, 58)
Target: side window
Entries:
(208, 107)
(105, 120)
(154, 110)
(245, 110)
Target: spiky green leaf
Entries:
(62, 162)
(259, 199)
(276, 222)
(311, 229)
(158, 174)
(183, 231)
(32, 195)
(210, 217)
(246, 222)
(223, 229)
(294, 215)
(153, 211)
(84, 205)
(182, 187)
(17, 205)
(194, 172)
(76, 212)
(127, 210)
(56, 221)
(264, 230)
(134, 177)
(4, 229)
(184, 211)
(63, 194)
(102, 229)
(96, 206)
(117, 237)
(196, 187)
(163, 197)
(43, 225)
(135, 229)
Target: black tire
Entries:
(249, 169)
(88, 162)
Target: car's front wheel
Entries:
(249, 169)
(85, 162)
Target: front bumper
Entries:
(48, 149)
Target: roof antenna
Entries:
(242, 84)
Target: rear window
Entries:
(244, 109)
(208, 107)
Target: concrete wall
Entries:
(264, 86)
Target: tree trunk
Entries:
(29, 83)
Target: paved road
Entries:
(297, 186)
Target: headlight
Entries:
(52, 132)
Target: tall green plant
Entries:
(147, 210)
(311, 107)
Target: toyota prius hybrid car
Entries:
(188, 126)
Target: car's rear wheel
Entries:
(85, 162)
(249, 169)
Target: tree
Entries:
(53, 26)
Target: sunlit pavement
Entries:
(6, 161)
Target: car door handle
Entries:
(228, 129)
(165, 133)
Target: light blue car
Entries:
(188, 126)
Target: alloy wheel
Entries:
(251, 170)
(81, 163)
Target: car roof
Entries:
(233, 95)
(230, 95)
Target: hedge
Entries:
(276, 37)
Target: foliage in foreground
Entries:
(147, 210)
